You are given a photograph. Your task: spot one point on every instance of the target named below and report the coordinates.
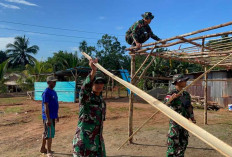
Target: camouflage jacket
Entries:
(88, 140)
(139, 28)
(182, 104)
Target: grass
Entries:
(15, 100)
(16, 109)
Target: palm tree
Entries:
(20, 53)
(3, 67)
(37, 69)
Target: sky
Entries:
(56, 25)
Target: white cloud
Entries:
(22, 2)
(4, 41)
(101, 17)
(9, 6)
(119, 27)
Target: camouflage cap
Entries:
(51, 78)
(179, 78)
(148, 15)
(100, 77)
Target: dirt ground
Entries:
(21, 128)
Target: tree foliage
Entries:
(20, 53)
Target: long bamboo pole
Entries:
(145, 70)
(139, 128)
(205, 136)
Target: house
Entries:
(11, 82)
(219, 87)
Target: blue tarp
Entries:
(65, 90)
(125, 76)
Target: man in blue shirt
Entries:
(50, 107)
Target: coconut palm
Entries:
(37, 69)
(3, 67)
(20, 53)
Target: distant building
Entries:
(11, 82)
(219, 87)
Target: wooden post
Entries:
(112, 88)
(119, 90)
(205, 97)
(205, 86)
(107, 86)
(131, 99)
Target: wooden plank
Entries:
(202, 134)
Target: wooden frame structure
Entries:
(198, 53)
(203, 135)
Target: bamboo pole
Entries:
(107, 86)
(143, 64)
(119, 90)
(145, 70)
(131, 101)
(138, 129)
(205, 87)
(203, 135)
(112, 88)
(205, 98)
(205, 73)
(185, 35)
(194, 43)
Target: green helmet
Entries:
(179, 78)
(148, 15)
(100, 77)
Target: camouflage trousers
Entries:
(177, 140)
(141, 38)
(88, 144)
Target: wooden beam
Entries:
(194, 43)
(202, 134)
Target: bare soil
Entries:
(21, 128)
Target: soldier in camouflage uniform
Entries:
(177, 136)
(140, 31)
(88, 140)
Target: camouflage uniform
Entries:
(177, 136)
(88, 140)
(140, 31)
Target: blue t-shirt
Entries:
(49, 96)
